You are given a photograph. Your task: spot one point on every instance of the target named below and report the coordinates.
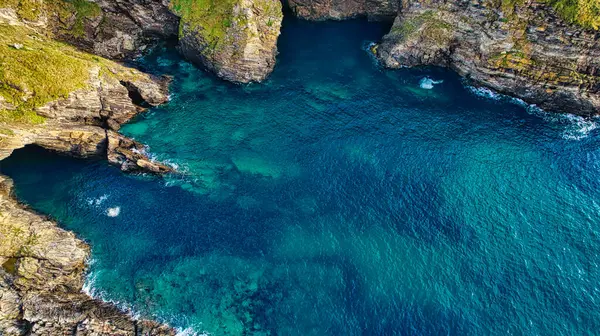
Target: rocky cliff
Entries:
(522, 50)
(116, 29)
(236, 39)
(546, 52)
(41, 278)
(59, 98)
(344, 9)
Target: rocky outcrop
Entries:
(83, 123)
(235, 39)
(117, 29)
(344, 9)
(72, 103)
(41, 278)
(525, 51)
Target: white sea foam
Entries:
(190, 332)
(484, 92)
(113, 212)
(428, 83)
(574, 127)
(579, 127)
(97, 201)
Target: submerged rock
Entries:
(525, 51)
(235, 39)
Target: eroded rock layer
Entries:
(235, 39)
(524, 51)
(344, 9)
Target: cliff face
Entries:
(41, 278)
(236, 39)
(344, 9)
(56, 97)
(524, 51)
(116, 29)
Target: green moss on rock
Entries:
(585, 13)
(212, 17)
(35, 70)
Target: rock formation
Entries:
(64, 100)
(116, 29)
(522, 49)
(41, 278)
(236, 39)
(344, 9)
(525, 51)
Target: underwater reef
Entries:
(63, 87)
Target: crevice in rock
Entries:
(135, 95)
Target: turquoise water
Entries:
(339, 198)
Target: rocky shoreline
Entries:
(42, 276)
(521, 49)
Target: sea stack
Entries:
(235, 39)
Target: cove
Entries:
(338, 198)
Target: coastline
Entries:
(42, 289)
(43, 274)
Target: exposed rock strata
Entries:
(83, 124)
(235, 39)
(523, 51)
(42, 267)
(41, 278)
(344, 9)
(121, 29)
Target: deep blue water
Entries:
(339, 198)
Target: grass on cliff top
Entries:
(65, 10)
(213, 17)
(585, 13)
(35, 70)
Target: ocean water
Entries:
(339, 198)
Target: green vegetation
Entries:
(37, 73)
(583, 12)
(66, 10)
(432, 28)
(212, 17)
(83, 9)
(29, 10)
(35, 70)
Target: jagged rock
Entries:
(107, 100)
(129, 155)
(235, 39)
(41, 278)
(528, 53)
(122, 29)
(344, 9)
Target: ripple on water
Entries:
(339, 198)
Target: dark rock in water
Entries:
(237, 40)
(523, 51)
(129, 155)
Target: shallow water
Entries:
(338, 198)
